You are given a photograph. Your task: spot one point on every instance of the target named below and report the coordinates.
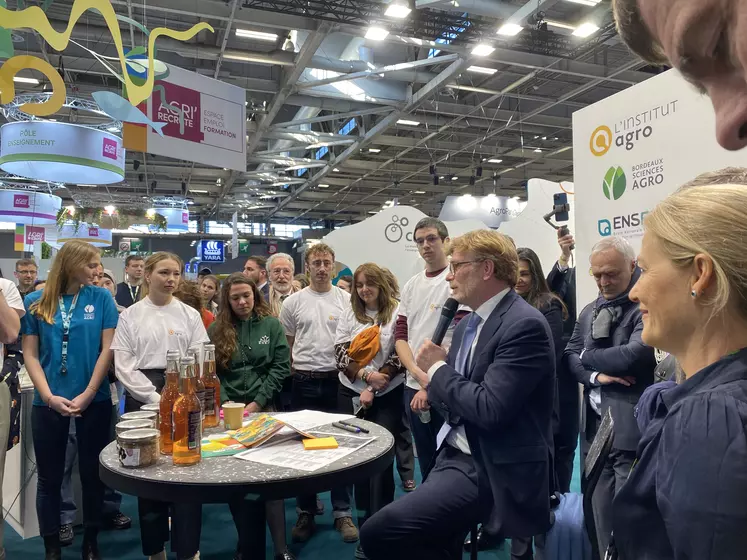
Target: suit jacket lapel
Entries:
(492, 325)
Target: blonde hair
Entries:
(386, 300)
(492, 246)
(317, 249)
(708, 216)
(150, 265)
(73, 256)
(634, 32)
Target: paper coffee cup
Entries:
(233, 415)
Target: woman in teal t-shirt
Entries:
(67, 331)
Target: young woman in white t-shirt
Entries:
(147, 330)
(379, 382)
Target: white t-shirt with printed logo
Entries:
(312, 318)
(145, 333)
(422, 301)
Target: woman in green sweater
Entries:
(252, 359)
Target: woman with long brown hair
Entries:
(147, 330)
(69, 382)
(253, 360)
(369, 370)
(532, 286)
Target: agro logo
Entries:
(614, 183)
(110, 149)
(600, 141)
(89, 312)
(21, 201)
(394, 232)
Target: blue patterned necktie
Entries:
(462, 364)
(465, 350)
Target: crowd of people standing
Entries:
(493, 410)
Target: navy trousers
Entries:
(432, 521)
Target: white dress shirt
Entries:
(457, 436)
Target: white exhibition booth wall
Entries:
(386, 237)
(630, 151)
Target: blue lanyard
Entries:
(66, 319)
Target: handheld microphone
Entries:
(447, 315)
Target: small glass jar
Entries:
(127, 425)
(140, 415)
(153, 407)
(138, 448)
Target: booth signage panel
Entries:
(492, 210)
(206, 120)
(96, 236)
(211, 250)
(29, 207)
(61, 153)
(633, 149)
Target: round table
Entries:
(221, 479)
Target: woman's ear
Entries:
(703, 274)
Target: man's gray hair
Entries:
(619, 244)
(277, 256)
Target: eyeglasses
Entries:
(279, 271)
(455, 265)
(431, 239)
(320, 264)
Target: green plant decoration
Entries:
(46, 250)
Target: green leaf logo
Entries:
(614, 183)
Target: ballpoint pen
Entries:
(359, 428)
(346, 427)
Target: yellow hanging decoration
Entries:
(34, 18)
(8, 91)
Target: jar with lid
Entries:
(138, 448)
(153, 407)
(140, 415)
(127, 425)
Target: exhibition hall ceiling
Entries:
(371, 109)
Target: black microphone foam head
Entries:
(450, 307)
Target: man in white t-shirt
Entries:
(11, 311)
(420, 309)
(310, 319)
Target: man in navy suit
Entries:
(495, 387)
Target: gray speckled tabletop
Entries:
(218, 478)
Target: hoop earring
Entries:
(694, 294)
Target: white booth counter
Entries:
(19, 481)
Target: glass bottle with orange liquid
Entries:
(169, 394)
(212, 389)
(199, 385)
(187, 416)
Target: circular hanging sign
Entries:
(29, 207)
(96, 236)
(61, 153)
(177, 219)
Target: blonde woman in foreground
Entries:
(686, 496)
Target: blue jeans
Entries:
(320, 394)
(68, 508)
(423, 434)
(50, 435)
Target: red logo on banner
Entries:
(185, 217)
(93, 232)
(110, 148)
(272, 248)
(34, 233)
(183, 103)
(21, 201)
